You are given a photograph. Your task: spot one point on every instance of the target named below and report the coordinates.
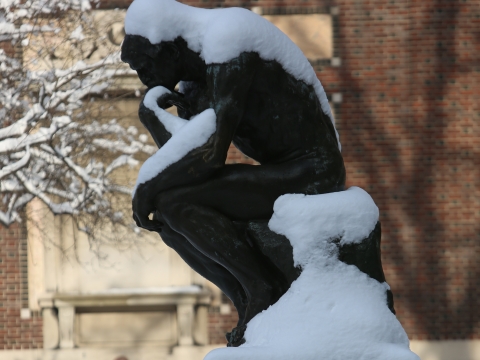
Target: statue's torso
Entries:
(282, 118)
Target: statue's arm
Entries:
(227, 89)
(156, 129)
(155, 124)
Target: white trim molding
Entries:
(446, 349)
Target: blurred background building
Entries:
(403, 78)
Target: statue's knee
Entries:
(170, 210)
(165, 206)
(168, 236)
(169, 198)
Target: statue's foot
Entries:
(241, 307)
(235, 338)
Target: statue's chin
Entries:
(148, 81)
(151, 84)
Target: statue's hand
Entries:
(174, 98)
(142, 206)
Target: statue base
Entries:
(334, 312)
(339, 307)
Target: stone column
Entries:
(66, 320)
(50, 324)
(185, 317)
(200, 327)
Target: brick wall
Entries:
(235, 156)
(410, 129)
(16, 333)
(219, 324)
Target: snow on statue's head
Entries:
(162, 20)
(220, 35)
(217, 35)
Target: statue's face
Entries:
(155, 64)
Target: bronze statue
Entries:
(213, 214)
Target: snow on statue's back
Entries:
(220, 35)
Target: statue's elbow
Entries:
(214, 159)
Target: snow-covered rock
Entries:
(333, 311)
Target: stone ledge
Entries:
(129, 297)
(446, 349)
(189, 303)
(151, 353)
(427, 350)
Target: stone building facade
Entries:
(403, 78)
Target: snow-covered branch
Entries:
(51, 146)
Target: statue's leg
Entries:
(204, 215)
(215, 237)
(207, 268)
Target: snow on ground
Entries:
(332, 311)
(220, 35)
(186, 136)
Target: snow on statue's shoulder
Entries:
(220, 35)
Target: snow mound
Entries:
(186, 136)
(309, 221)
(333, 311)
(220, 35)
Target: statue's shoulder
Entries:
(247, 58)
(235, 31)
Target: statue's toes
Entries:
(235, 338)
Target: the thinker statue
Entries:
(267, 101)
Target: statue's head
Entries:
(155, 64)
(158, 20)
(163, 42)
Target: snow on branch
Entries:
(52, 146)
